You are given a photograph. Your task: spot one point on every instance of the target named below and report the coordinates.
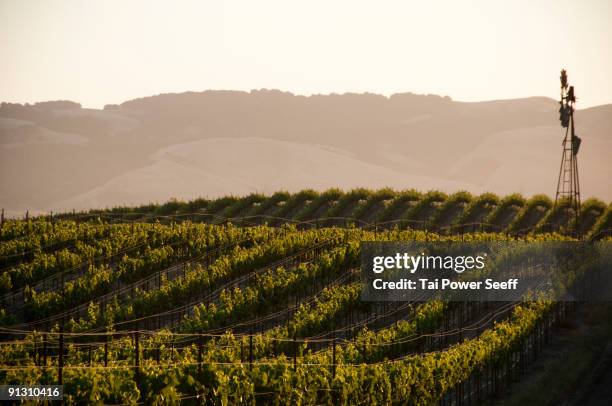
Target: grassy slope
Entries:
(566, 362)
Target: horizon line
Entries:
(263, 89)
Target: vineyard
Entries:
(434, 211)
(256, 300)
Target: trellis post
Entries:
(61, 355)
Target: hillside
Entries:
(435, 211)
(58, 156)
(153, 313)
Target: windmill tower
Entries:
(568, 185)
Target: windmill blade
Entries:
(576, 144)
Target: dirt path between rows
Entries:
(572, 369)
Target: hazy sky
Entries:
(99, 52)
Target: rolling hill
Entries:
(59, 156)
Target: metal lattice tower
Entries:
(568, 185)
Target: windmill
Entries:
(568, 185)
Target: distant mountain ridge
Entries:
(58, 156)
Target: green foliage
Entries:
(478, 209)
(243, 204)
(187, 241)
(348, 200)
(456, 201)
(308, 211)
(510, 204)
(261, 274)
(270, 205)
(396, 208)
(424, 208)
(532, 212)
(374, 198)
(297, 201)
(604, 224)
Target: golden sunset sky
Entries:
(99, 52)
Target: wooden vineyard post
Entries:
(137, 358)
(459, 394)
(200, 358)
(295, 350)
(496, 370)
(60, 362)
(275, 346)
(106, 349)
(461, 318)
(334, 359)
(534, 344)
(478, 385)
(44, 350)
(365, 355)
(509, 369)
(251, 351)
(241, 350)
(36, 352)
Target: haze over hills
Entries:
(58, 156)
